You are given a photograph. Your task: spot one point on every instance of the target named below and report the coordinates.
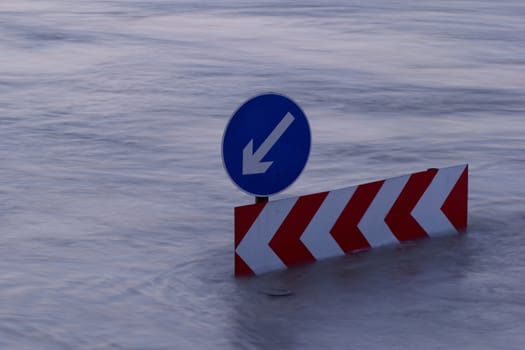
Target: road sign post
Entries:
(265, 147)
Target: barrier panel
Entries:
(279, 234)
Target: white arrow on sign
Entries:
(251, 161)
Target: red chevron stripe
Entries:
(286, 242)
(245, 216)
(241, 268)
(399, 218)
(345, 230)
(455, 206)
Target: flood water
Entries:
(116, 215)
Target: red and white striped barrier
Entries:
(278, 234)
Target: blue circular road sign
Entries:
(266, 144)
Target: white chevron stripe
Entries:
(316, 236)
(373, 225)
(427, 211)
(254, 248)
